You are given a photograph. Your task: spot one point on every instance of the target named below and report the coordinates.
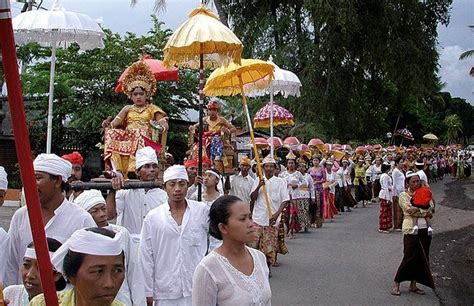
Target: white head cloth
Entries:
(53, 164)
(89, 198)
(210, 171)
(175, 172)
(31, 253)
(90, 243)
(410, 174)
(145, 155)
(3, 179)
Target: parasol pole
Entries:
(201, 115)
(22, 144)
(254, 146)
(50, 98)
(272, 149)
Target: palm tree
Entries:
(161, 5)
(468, 54)
(454, 124)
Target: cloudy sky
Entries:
(453, 40)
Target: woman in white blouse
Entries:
(385, 196)
(232, 274)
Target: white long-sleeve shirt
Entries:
(398, 182)
(386, 187)
(67, 218)
(134, 204)
(277, 191)
(4, 245)
(132, 291)
(241, 186)
(169, 252)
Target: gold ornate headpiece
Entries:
(139, 75)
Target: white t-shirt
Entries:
(4, 240)
(217, 282)
(277, 193)
(134, 204)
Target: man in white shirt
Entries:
(398, 177)
(266, 238)
(132, 291)
(240, 185)
(61, 218)
(419, 165)
(132, 205)
(173, 242)
(3, 235)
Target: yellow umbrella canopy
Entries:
(202, 34)
(228, 81)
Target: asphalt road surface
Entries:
(347, 262)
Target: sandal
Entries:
(395, 292)
(417, 291)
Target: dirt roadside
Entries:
(452, 249)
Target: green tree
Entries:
(454, 125)
(85, 83)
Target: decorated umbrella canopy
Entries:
(284, 82)
(159, 70)
(54, 28)
(430, 137)
(404, 133)
(229, 81)
(202, 40)
(281, 116)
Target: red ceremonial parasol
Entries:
(159, 71)
(281, 116)
(405, 133)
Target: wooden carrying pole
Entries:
(23, 149)
(254, 146)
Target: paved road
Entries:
(346, 262)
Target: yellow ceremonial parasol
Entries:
(202, 40)
(229, 81)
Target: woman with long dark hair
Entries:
(385, 197)
(415, 266)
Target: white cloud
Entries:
(455, 72)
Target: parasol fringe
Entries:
(265, 124)
(219, 56)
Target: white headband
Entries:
(31, 253)
(213, 173)
(3, 179)
(53, 164)
(145, 156)
(90, 243)
(410, 174)
(419, 164)
(89, 198)
(175, 172)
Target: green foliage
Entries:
(365, 65)
(84, 87)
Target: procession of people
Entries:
(213, 232)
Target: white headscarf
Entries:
(175, 172)
(89, 198)
(53, 164)
(145, 155)
(3, 179)
(90, 243)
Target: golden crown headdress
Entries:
(139, 75)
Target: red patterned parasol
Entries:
(281, 116)
(159, 71)
(405, 133)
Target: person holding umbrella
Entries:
(136, 125)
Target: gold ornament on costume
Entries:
(139, 75)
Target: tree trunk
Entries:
(221, 12)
